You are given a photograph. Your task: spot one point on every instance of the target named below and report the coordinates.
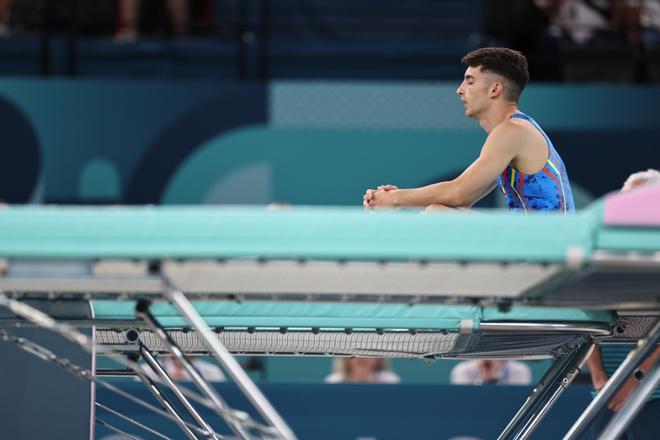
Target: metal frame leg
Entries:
(132, 421)
(229, 364)
(633, 405)
(151, 386)
(633, 360)
(92, 384)
(220, 406)
(546, 393)
(160, 371)
(115, 429)
(87, 375)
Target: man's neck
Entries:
(496, 115)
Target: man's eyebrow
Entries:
(469, 77)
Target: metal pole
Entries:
(92, 384)
(538, 394)
(132, 421)
(227, 361)
(576, 361)
(632, 361)
(116, 430)
(631, 408)
(83, 374)
(222, 409)
(151, 386)
(160, 371)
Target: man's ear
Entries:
(495, 89)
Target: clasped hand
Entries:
(379, 197)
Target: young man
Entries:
(517, 155)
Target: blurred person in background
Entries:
(4, 17)
(362, 370)
(646, 13)
(209, 371)
(490, 371)
(130, 18)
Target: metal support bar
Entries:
(633, 405)
(70, 333)
(153, 389)
(227, 361)
(112, 372)
(546, 393)
(633, 360)
(549, 377)
(83, 374)
(160, 371)
(115, 429)
(132, 421)
(220, 406)
(576, 361)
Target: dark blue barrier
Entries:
(381, 412)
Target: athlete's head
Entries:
(493, 74)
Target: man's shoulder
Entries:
(509, 136)
(514, 128)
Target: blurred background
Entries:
(311, 102)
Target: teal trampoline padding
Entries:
(619, 239)
(321, 233)
(546, 314)
(353, 315)
(297, 314)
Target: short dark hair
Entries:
(508, 63)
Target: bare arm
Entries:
(620, 398)
(596, 370)
(501, 147)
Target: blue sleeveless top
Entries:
(547, 190)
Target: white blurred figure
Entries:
(209, 371)
(362, 370)
(488, 371)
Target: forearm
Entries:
(442, 193)
(650, 361)
(598, 375)
(595, 362)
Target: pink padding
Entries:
(639, 207)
